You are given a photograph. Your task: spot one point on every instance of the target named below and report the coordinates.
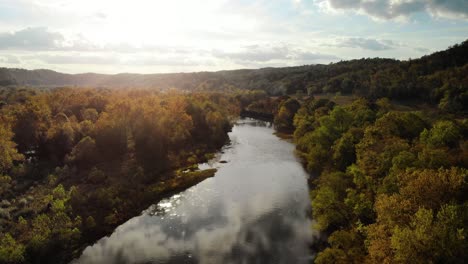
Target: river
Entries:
(254, 210)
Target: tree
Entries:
(376, 151)
(406, 125)
(432, 188)
(60, 141)
(111, 137)
(443, 133)
(31, 122)
(345, 247)
(329, 211)
(10, 250)
(285, 117)
(337, 122)
(84, 154)
(344, 152)
(440, 239)
(90, 114)
(8, 151)
(327, 200)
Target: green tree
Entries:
(8, 151)
(344, 152)
(443, 133)
(327, 200)
(284, 120)
(345, 247)
(10, 250)
(440, 239)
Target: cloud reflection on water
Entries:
(253, 211)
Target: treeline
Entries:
(387, 186)
(438, 79)
(76, 162)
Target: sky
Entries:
(158, 36)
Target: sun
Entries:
(147, 22)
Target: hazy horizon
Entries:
(143, 36)
(220, 70)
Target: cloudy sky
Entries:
(150, 36)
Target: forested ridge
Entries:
(438, 79)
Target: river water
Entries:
(255, 210)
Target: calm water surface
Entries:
(253, 211)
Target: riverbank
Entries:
(73, 170)
(254, 209)
(174, 182)
(133, 198)
(384, 180)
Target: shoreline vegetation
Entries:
(386, 185)
(77, 162)
(389, 178)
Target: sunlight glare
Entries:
(151, 22)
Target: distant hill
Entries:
(430, 78)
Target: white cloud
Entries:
(367, 43)
(273, 54)
(391, 9)
(183, 35)
(9, 59)
(76, 59)
(38, 38)
(256, 53)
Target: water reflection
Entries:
(253, 211)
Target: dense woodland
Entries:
(388, 166)
(387, 186)
(389, 182)
(75, 163)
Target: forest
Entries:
(388, 166)
(389, 178)
(387, 186)
(389, 182)
(67, 157)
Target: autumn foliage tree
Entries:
(390, 186)
(79, 161)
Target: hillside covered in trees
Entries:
(438, 78)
